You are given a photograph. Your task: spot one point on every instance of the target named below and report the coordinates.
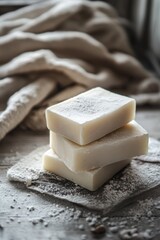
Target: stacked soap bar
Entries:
(92, 137)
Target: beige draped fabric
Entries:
(69, 42)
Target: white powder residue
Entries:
(143, 208)
(28, 168)
(137, 178)
(90, 105)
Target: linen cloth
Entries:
(138, 178)
(76, 43)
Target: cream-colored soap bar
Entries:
(90, 115)
(90, 179)
(126, 142)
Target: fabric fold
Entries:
(77, 42)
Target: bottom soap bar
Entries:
(90, 180)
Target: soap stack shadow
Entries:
(92, 137)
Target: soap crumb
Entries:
(126, 234)
(28, 181)
(104, 219)
(81, 227)
(100, 229)
(31, 208)
(88, 219)
(45, 224)
(83, 237)
(114, 229)
(34, 222)
(41, 220)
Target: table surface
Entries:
(25, 214)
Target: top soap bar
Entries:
(90, 115)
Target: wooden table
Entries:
(29, 215)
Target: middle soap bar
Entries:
(90, 115)
(126, 142)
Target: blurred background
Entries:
(143, 26)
